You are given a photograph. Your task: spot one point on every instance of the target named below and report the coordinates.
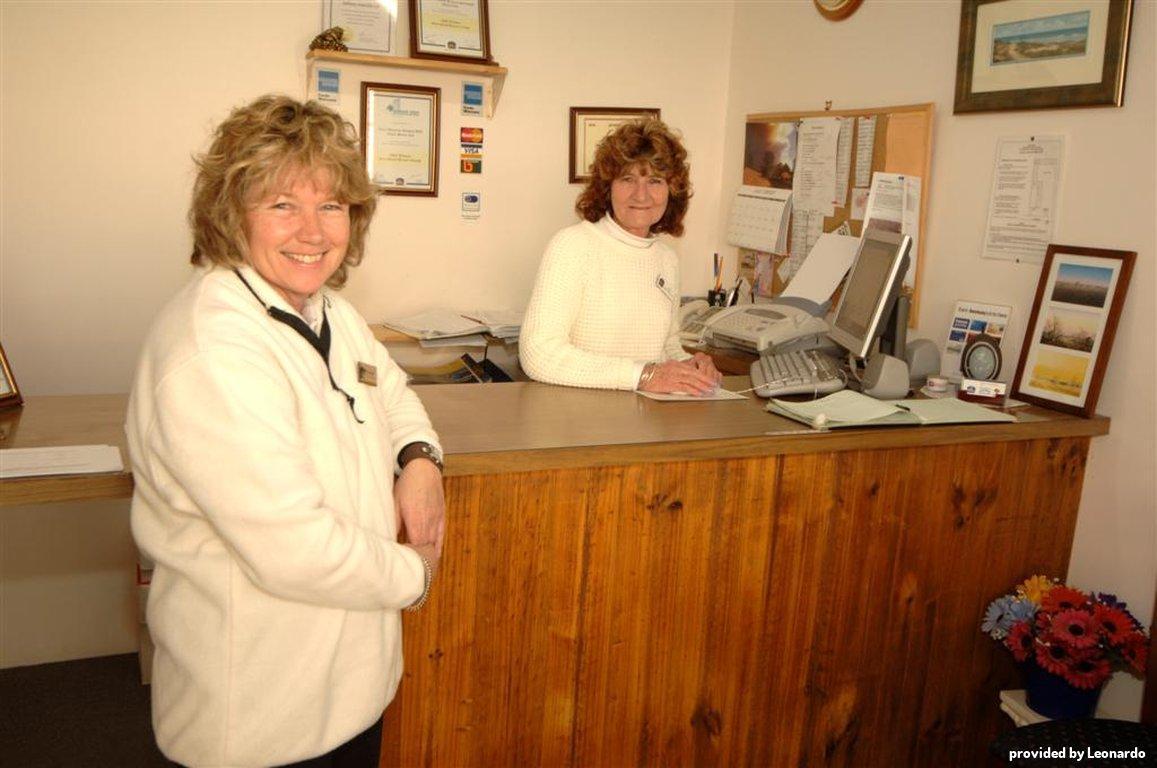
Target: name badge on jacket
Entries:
(367, 374)
(667, 286)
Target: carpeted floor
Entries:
(77, 714)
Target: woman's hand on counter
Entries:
(683, 376)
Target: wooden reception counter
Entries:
(628, 582)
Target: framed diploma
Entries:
(458, 30)
(400, 137)
(369, 26)
(588, 126)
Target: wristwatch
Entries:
(420, 450)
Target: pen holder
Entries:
(717, 298)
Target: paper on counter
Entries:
(59, 460)
(722, 394)
(830, 259)
(433, 323)
(470, 340)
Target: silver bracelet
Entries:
(648, 374)
(428, 579)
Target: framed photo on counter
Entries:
(399, 129)
(9, 393)
(1022, 54)
(1070, 331)
(457, 30)
(588, 126)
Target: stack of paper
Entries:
(500, 323)
(59, 460)
(853, 409)
(454, 328)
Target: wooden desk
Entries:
(66, 420)
(633, 582)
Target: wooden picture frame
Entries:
(1012, 57)
(465, 38)
(10, 396)
(588, 126)
(400, 127)
(1070, 330)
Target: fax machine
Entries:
(782, 325)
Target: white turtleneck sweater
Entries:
(605, 304)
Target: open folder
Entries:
(846, 409)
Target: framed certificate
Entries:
(458, 30)
(400, 137)
(369, 27)
(588, 126)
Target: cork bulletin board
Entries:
(902, 144)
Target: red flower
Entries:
(1113, 622)
(1051, 655)
(1074, 628)
(1019, 640)
(1062, 598)
(1135, 651)
(1088, 670)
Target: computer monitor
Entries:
(871, 291)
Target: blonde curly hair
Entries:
(258, 147)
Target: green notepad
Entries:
(852, 409)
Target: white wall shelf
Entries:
(493, 75)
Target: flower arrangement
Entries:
(1083, 638)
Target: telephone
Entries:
(782, 325)
(693, 319)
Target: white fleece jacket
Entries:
(269, 512)
(605, 304)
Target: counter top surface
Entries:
(524, 426)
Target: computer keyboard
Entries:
(794, 373)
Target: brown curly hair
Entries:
(652, 144)
(253, 151)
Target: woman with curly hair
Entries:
(604, 312)
(276, 454)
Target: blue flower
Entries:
(1020, 609)
(997, 619)
(1004, 612)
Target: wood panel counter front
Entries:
(629, 582)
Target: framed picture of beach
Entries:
(1028, 54)
(1071, 328)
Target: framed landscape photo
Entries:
(9, 392)
(454, 30)
(588, 126)
(1026, 54)
(400, 125)
(1071, 328)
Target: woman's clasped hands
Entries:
(697, 376)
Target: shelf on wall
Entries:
(493, 74)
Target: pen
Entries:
(718, 273)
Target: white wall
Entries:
(786, 57)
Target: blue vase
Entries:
(1051, 696)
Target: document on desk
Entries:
(434, 323)
(848, 409)
(722, 394)
(59, 460)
